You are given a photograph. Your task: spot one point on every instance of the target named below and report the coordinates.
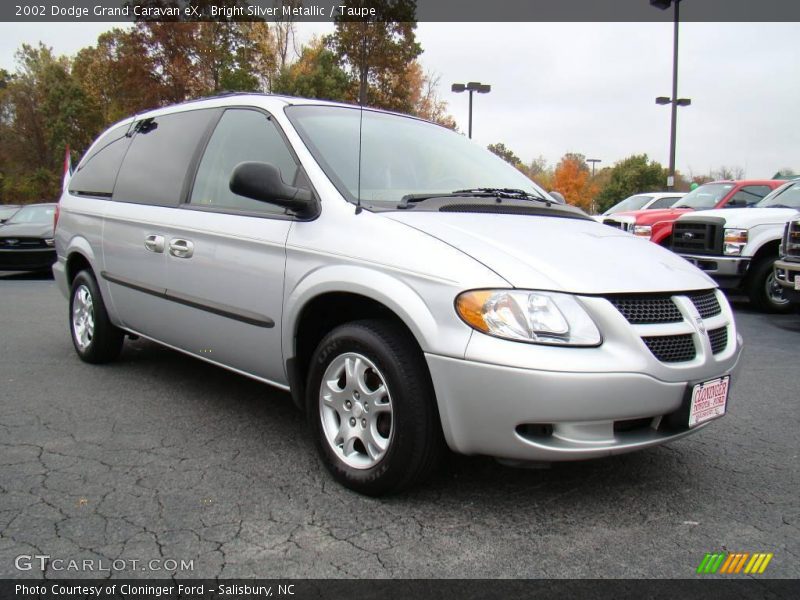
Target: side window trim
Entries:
(195, 168)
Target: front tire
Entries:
(764, 291)
(372, 409)
(95, 338)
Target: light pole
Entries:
(674, 100)
(471, 87)
(593, 161)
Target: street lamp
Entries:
(471, 87)
(593, 161)
(674, 100)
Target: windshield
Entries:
(7, 211)
(786, 196)
(706, 196)
(630, 203)
(33, 214)
(399, 156)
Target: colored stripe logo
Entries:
(733, 563)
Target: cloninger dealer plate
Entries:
(708, 400)
(797, 282)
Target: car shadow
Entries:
(26, 275)
(223, 396)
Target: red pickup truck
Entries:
(656, 225)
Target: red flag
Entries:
(67, 167)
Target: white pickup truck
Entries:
(738, 247)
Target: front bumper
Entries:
(728, 271)
(29, 259)
(526, 402)
(787, 273)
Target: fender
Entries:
(448, 337)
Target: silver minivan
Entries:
(412, 290)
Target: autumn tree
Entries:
(315, 74)
(629, 176)
(572, 178)
(117, 75)
(43, 110)
(376, 52)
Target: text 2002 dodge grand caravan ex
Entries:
(407, 286)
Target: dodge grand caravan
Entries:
(409, 288)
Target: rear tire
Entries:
(371, 408)
(764, 292)
(95, 338)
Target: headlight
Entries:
(525, 316)
(643, 231)
(734, 241)
(50, 242)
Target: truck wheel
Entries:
(372, 409)
(764, 291)
(95, 338)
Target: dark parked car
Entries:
(26, 239)
(7, 211)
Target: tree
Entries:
(629, 176)
(506, 154)
(377, 51)
(572, 178)
(316, 74)
(725, 172)
(118, 75)
(425, 100)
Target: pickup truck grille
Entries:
(697, 237)
(718, 339)
(672, 348)
(793, 239)
(618, 224)
(639, 310)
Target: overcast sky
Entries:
(591, 87)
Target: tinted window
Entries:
(705, 196)
(36, 213)
(155, 167)
(665, 202)
(750, 194)
(787, 196)
(98, 169)
(241, 135)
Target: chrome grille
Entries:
(640, 310)
(671, 348)
(793, 239)
(15, 243)
(718, 339)
(706, 303)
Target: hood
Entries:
(745, 218)
(37, 230)
(571, 255)
(648, 217)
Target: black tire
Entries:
(760, 275)
(415, 441)
(105, 341)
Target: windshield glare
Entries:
(785, 196)
(630, 203)
(33, 214)
(399, 156)
(706, 196)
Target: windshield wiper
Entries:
(780, 206)
(485, 192)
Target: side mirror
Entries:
(558, 197)
(262, 181)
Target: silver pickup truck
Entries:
(411, 290)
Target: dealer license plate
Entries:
(708, 400)
(797, 283)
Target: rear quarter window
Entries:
(155, 167)
(97, 171)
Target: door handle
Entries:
(154, 243)
(181, 248)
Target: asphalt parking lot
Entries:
(162, 456)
